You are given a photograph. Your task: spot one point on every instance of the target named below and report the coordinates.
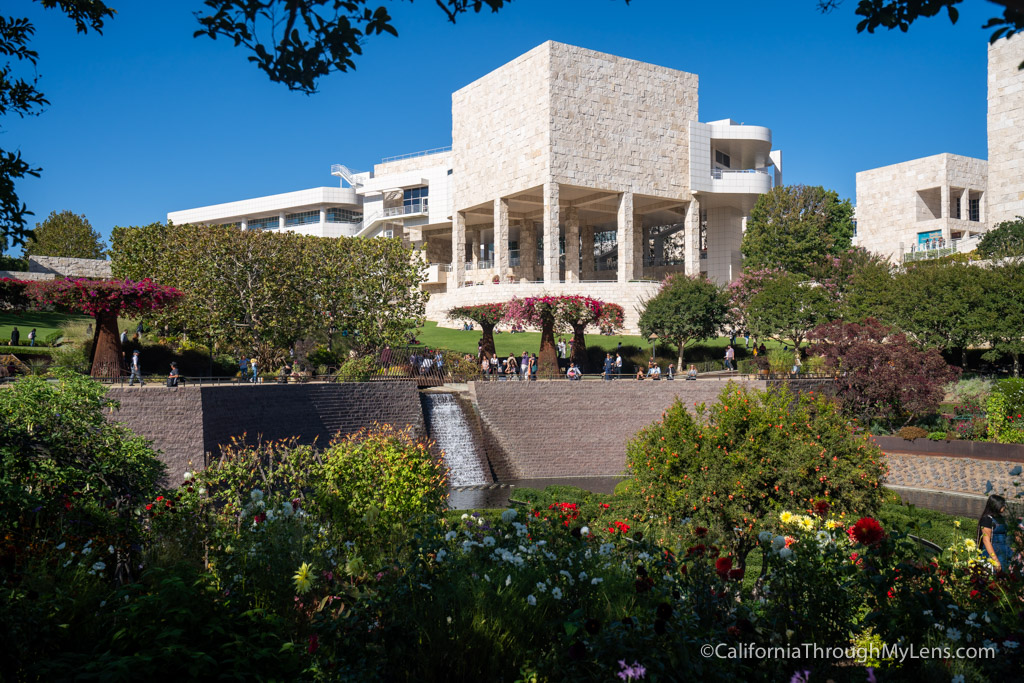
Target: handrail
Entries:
(413, 155)
(418, 206)
(717, 173)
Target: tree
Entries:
(104, 300)
(934, 304)
(65, 234)
(1006, 240)
(686, 308)
(881, 374)
(255, 290)
(749, 456)
(580, 312)
(484, 315)
(13, 294)
(794, 227)
(999, 316)
(786, 308)
(540, 312)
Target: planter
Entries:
(980, 450)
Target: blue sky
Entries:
(146, 119)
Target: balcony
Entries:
(437, 273)
(742, 181)
(418, 207)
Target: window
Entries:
(975, 209)
(415, 198)
(854, 227)
(956, 208)
(722, 158)
(268, 223)
(302, 218)
(343, 216)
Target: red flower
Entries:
(696, 550)
(735, 574)
(314, 643)
(867, 531)
(821, 508)
(701, 532)
(723, 565)
(159, 498)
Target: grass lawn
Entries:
(45, 323)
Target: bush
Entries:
(321, 355)
(911, 433)
(1012, 391)
(732, 466)
(938, 436)
(1004, 426)
(969, 392)
(53, 339)
(356, 369)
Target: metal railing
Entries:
(413, 155)
(514, 261)
(719, 173)
(419, 206)
(484, 265)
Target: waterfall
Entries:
(449, 427)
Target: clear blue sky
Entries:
(146, 119)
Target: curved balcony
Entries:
(744, 181)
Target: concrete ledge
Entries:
(979, 450)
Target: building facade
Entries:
(943, 204)
(570, 172)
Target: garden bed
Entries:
(981, 450)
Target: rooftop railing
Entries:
(419, 206)
(413, 155)
(719, 173)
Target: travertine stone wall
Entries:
(565, 429)
(1005, 129)
(420, 163)
(21, 275)
(890, 211)
(60, 266)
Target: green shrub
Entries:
(969, 392)
(321, 355)
(1004, 425)
(1012, 391)
(356, 369)
(737, 463)
(911, 433)
(937, 436)
(53, 339)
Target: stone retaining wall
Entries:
(569, 429)
(190, 422)
(60, 266)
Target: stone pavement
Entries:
(964, 475)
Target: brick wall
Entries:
(188, 422)
(565, 429)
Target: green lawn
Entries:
(45, 323)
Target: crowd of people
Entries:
(523, 368)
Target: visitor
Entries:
(640, 374)
(755, 351)
(136, 368)
(746, 336)
(255, 370)
(524, 367)
(139, 330)
(992, 533)
(608, 365)
(573, 373)
(618, 363)
(730, 354)
(797, 362)
(32, 337)
(15, 337)
(671, 374)
(533, 367)
(655, 372)
(510, 366)
(561, 348)
(174, 377)
(88, 330)
(479, 348)
(243, 368)
(692, 372)
(762, 350)
(124, 337)
(485, 366)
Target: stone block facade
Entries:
(1006, 129)
(565, 429)
(60, 266)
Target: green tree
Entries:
(795, 227)
(998, 315)
(1006, 240)
(786, 308)
(487, 316)
(65, 234)
(686, 308)
(751, 455)
(935, 303)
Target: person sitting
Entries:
(671, 374)
(654, 372)
(692, 372)
(573, 373)
(174, 379)
(640, 374)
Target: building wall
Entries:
(891, 212)
(1005, 129)
(595, 421)
(60, 266)
(725, 235)
(619, 124)
(501, 130)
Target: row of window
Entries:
(304, 218)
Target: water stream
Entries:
(449, 426)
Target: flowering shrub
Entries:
(484, 315)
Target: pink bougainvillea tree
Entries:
(484, 315)
(104, 300)
(579, 312)
(540, 312)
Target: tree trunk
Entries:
(963, 357)
(107, 359)
(547, 357)
(579, 348)
(487, 340)
(680, 368)
(1016, 364)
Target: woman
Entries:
(640, 374)
(533, 367)
(485, 366)
(692, 372)
(992, 538)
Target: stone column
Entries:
(965, 205)
(281, 219)
(501, 237)
(323, 219)
(459, 248)
(475, 245)
(572, 245)
(625, 237)
(245, 224)
(551, 220)
(639, 245)
(588, 253)
(691, 239)
(528, 249)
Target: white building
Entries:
(944, 203)
(570, 172)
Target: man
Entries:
(32, 337)
(618, 364)
(124, 337)
(654, 372)
(173, 378)
(608, 365)
(136, 368)
(243, 368)
(15, 337)
(729, 356)
(561, 348)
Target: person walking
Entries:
(609, 364)
(32, 337)
(15, 337)
(124, 337)
(136, 368)
(255, 370)
(524, 367)
(730, 354)
(992, 533)
(243, 368)
(797, 362)
(618, 363)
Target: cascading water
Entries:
(449, 427)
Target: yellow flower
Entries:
(832, 524)
(303, 578)
(805, 523)
(956, 523)
(970, 545)
(786, 517)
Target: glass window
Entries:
(975, 209)
(343, 216)
(267, 223)
(302, 218)
(414, 196)
(722, 158)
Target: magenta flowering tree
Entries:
(104, 300)
(540, 312)
(580, 312)
(484, 315)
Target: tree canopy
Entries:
(484, 315)
(795, 227)
(65, 234)
(686, 308)
(786, 308)
(1006, 240)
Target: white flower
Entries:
(86, 550)
(110, 549)
(823, 538)
(256, 495)
(583, 576)
(540, 543)
(271, 516)
(927, 613)
(441, 554)
(202, 490)
(542, 587)
(989, 645)
(98, 567)
(425, 586)
(187, 476)
(643, 556)
(785, 553)
(606, 548)
(465, 516)
(449, 620)
(508, 515)
(62, 546)
(450, 535)
(585, 531)
(959, 678)
(764, 536)
(489, 541)
(556, 593)
(567, 575)
(596, 580)
(508, 580)
(487, 578)
(286, 509)
(520, 528)
(481, 521)
(67, 563)
(953, 634)
(530, 600)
